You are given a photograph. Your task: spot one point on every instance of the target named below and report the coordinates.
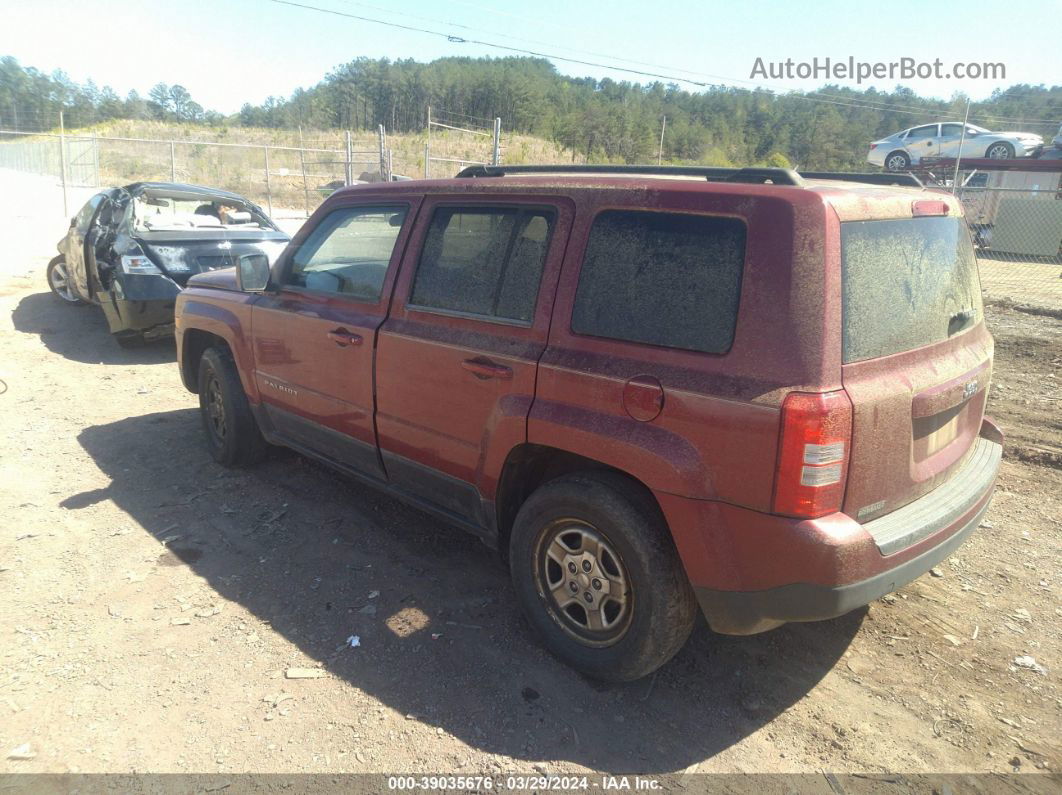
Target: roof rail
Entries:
(777, 176)
(903, 180)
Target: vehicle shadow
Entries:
(442, 641)
(79, 333)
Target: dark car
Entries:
(131, 250)
(750, 390)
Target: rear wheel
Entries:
(1000, 151)
(231, 430)
(897, 161)
(598, 577)
(59, 282)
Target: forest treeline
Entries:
(598, 120)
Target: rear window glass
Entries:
(663, 279)
(906, 283)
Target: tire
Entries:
(129, 339)
(636, 587)
(897, 161)
(59, 282)
(1000, 150)
(231, 430)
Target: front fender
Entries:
(226, 315)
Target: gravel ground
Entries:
(153, 604)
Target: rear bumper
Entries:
(777, 570)
(140, 303)
(745, 613)
(152, 318)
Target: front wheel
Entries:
(1000, 151)
(231, 430)
(59, 282)
(598, 577)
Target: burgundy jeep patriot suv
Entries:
(749, 390)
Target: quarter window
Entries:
(483, 261)
(348, 253)
(665, 279)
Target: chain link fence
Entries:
(455, 140)
(1018, 235)
(288, 181)
(1014, 209)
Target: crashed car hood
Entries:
(180, 255)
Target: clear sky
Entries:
(226, 52)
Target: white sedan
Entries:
(900, 151)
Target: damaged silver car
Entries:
(131, 250)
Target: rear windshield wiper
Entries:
(961, 320)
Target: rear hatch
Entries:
(917, 357)
(180, 255)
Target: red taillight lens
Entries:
(873, 146)
(813, 453)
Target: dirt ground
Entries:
(151, 603)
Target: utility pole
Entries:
(384, 176)
(269, 192)
(95, 161)
(958, 155)
(427, 148)
(348, 169)
(660, 151)
(496, 157)
(62, 161)
(302, 163)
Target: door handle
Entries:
(343, 338)
(483, 369)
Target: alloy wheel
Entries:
(59, 280)
(584, 583)
(896, 163)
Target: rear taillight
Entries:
(813, 453)
(873, 146)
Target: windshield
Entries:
(159, 210)
(906, 283)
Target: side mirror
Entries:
(252, 273)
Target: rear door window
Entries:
(484, 261)
(906, 283)
(921, 133)
(667, 279)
